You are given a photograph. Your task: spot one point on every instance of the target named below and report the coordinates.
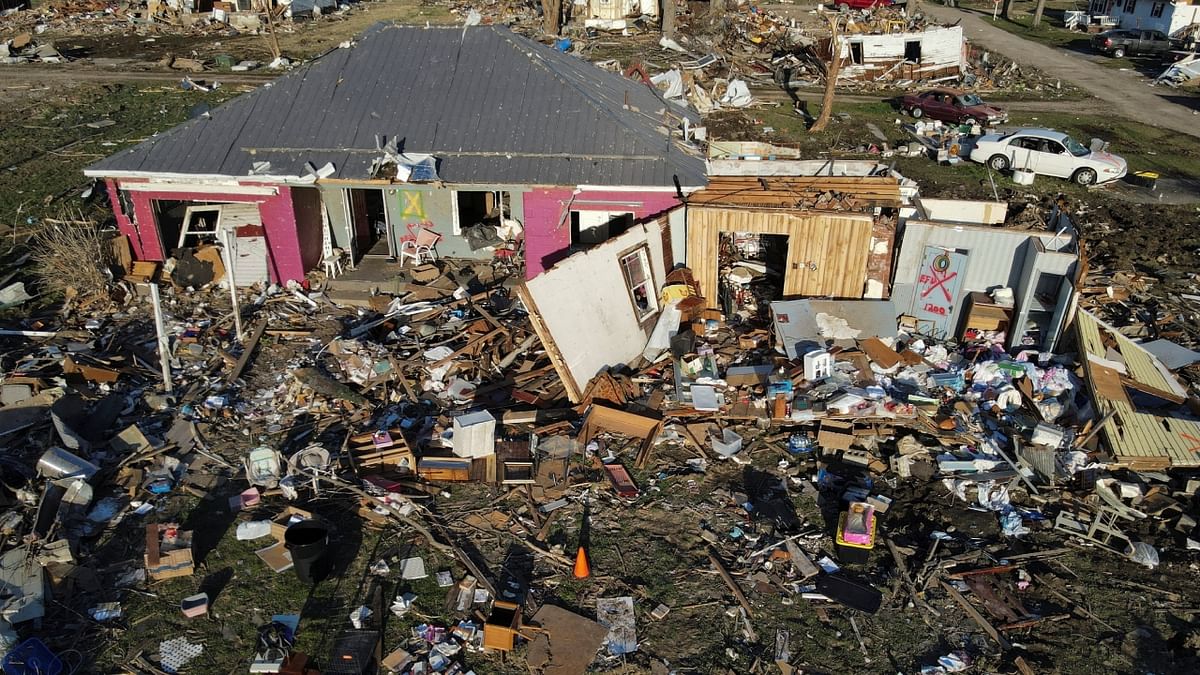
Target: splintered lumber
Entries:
(247, 351)
(730, 581)
(907, 578)
(840, 193)
(975, 615)
(737, 591)
(469, 346)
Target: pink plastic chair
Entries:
(422, 247)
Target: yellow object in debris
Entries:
(675, 292)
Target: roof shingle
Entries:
(471, 97)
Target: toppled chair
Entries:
(263, 467)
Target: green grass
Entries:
(42, 176)
(1143, 146)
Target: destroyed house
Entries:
(471, 139)
(808, 229)
(930, 54)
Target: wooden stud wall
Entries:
(838, 244)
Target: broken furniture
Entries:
(601, 419)
(983, 314)
(501, 629)
(383, 450)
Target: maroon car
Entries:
(843, 5)
(953, 106)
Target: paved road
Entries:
(1121, 92)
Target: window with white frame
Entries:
(1156, 10)
(473, 207)
(635, 267)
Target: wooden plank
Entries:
(248, 351)
(731, 583)
(975, 615)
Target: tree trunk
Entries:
(831, 74)
(667, 13)
(271, 37)
(551, 16)
(1004, 9)
(1037, 13)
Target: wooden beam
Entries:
(248, 351)
(975, 615)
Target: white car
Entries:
(1047, 152)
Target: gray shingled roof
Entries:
(492, 106)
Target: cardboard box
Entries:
(168, 560)
(279, 524)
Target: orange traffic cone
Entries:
(582, 571)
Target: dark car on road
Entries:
(953, 106)
(1118, 43)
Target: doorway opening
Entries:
(168, 213)
(912, 51)
(752, 268)
(856, 53)
(368, 221)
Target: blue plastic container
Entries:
(32, 657)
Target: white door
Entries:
(250, 260)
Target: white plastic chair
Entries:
(333, 263)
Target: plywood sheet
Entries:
(1141, 440)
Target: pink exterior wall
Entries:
(278, 214)
(548, 223)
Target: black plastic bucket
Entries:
(307, 541)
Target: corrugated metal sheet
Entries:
(994, 257)
(492, 106)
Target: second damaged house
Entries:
(410, 142)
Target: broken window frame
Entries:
(503, 198)
(1156, 10)
(189, 213)
(642, 251)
